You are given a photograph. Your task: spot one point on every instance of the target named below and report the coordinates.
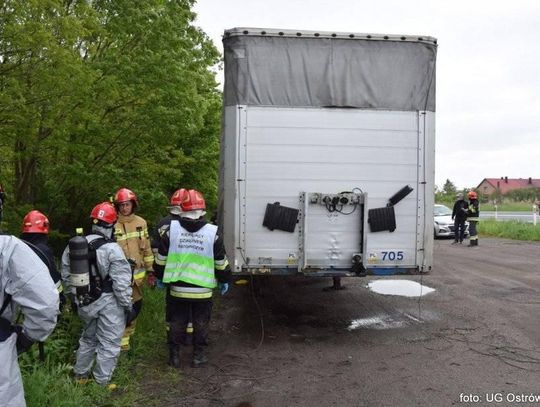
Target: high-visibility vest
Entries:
(191, 256)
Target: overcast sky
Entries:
(488, 69)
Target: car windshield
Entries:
(441, 210)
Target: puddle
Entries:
(384, 322)
(404, 288)
(375, 323)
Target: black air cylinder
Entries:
(79, 264)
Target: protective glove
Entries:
(151, 280)
(24, 343)
(223, 288)
(159, 284)
(131, 314)
(128, 313)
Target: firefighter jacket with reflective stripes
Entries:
(473, 213)
(196, 250)
(131, 233)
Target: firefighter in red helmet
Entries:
(191, 261)
(131, 233)
(473, 216)
(27, 291)
(106, 306)
(35, 231)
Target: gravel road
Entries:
(474, 340)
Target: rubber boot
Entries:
(174, 356)
(199, 358)
(82, 378)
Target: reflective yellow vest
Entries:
(191, 256)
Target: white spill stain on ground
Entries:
(379, 322)
(404, 288)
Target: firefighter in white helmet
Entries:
(191, 261)
(106, 304)
(25, 286)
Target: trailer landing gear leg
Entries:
(336, 285)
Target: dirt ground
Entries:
(475, 340)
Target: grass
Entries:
(503, 207)
(50, 383)
(509, 230)
(508, 207)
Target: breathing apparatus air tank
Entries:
(79, 264)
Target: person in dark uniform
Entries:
(191, 261)
(459, 216)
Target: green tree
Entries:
(449, 189)
(102, 94)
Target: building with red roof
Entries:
(503, 185)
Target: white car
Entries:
(443, 223)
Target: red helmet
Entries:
(124, 194)
(472, 195)
(188, 200)
(104, 212)
(35, 222)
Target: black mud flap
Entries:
(399, 195)
(381, 219)
(280, 217)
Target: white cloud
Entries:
(488, 86)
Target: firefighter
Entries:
(107, 306)
(473, 216)
(131, 233)
(35, 231)
(25, 286)
(191, 261)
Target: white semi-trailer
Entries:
(327, 154)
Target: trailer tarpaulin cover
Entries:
(306, 71)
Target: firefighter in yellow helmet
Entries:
(131, 233)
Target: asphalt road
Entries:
(475, 338)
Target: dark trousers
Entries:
(180, 313)
(473, 234)
(459, 229)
